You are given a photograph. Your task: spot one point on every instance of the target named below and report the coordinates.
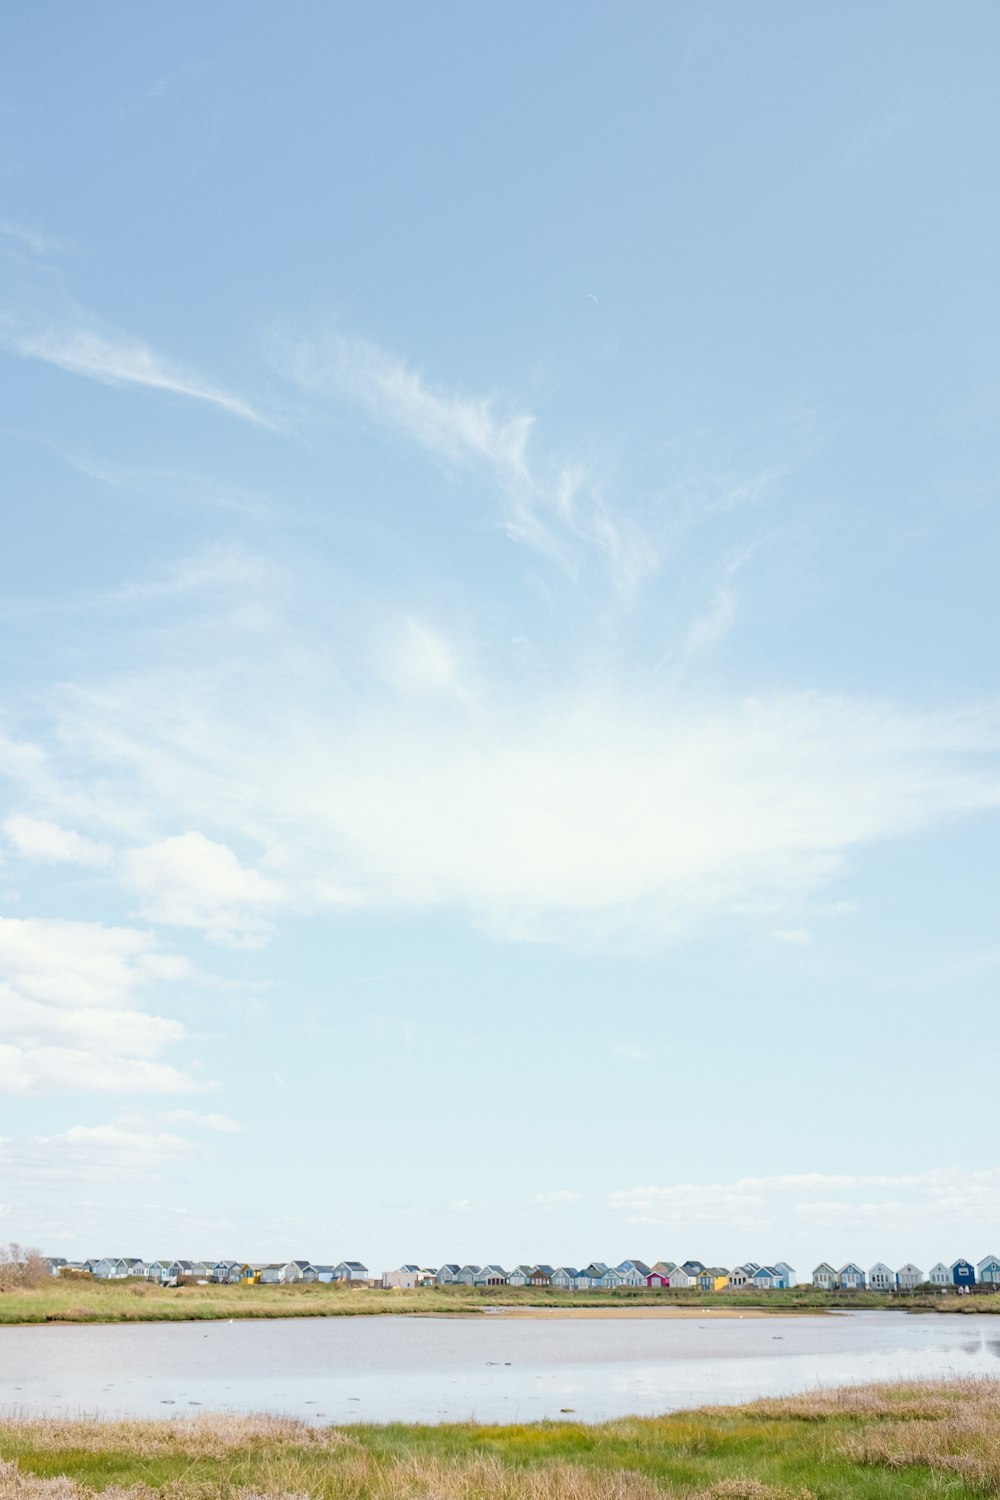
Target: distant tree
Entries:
(10, 1267)
(21, 1267)
(35, 1268)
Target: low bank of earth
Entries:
(873, 1443)
(87, 1301)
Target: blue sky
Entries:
(499, 726)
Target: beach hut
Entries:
(909, 1277)
(988, 1271)
(492, 1275)
(633, 1272)
(659, 1276)
(350, 1270)
(520, 1276)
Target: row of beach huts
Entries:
(597, 1276)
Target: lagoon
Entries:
(489, 1368)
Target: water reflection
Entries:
(498, 1369)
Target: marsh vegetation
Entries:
(874, 1443)
(82, 1299)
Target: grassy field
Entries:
(88, 1301)
(868, 1443)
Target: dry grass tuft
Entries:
(360, 1476)
(15, 1485)
(954, 1430)
(207, 1436)
(432, 1479)
(904, 1402)
(743, 1487)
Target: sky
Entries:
(499, 721)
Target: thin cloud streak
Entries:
(116, 359)
(939, 1200)
(28, 238)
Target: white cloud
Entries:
(592, 817)
(115, 359)
(72, 963)
(34, 838)
(92, 1153)
(191, 881)
(31, 1071)
(68, 1014)
(949, 1201)
(93, 1028)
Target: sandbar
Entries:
(645, 1312)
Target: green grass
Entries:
(870, 1443)
(83, 1300)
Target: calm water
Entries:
(493, 1369)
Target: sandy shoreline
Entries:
(714, 1313)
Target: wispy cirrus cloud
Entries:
(553, 507)
(117, 359)
(26, 237)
